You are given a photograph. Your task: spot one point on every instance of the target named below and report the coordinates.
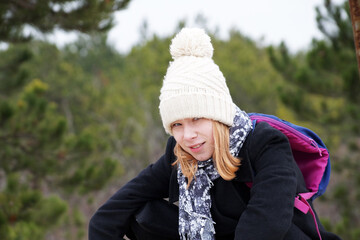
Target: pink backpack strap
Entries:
(303, 205)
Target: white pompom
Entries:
(191, 42)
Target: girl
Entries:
(209, 159)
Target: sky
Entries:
(265, 21)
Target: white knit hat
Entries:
(194, 86)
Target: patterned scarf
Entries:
(195, 221)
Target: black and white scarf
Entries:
(195, 221)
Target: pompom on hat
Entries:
(194, 86)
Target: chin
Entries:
(201, 159)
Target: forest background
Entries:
(78, 122)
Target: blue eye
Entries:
(176, 125)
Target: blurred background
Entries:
(79, 88)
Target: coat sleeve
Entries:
(111, 220)
(269, 212)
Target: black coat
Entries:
(266, 211)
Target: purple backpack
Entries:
(310, 154)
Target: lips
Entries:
(196, 146)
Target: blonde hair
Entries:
(225, 163)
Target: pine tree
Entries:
(42, 158)
(44, 16)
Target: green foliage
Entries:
(335, 24)
(26, 133)
(25, 212)
(48, 129)
(248, 72)
(13, 75)
(45, 16)
(6, 111)
(90, 178)
(37, 144)
(324, 82)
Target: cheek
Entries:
(208, 131)
(177, 135)
(211, 139)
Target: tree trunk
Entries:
(355, 18)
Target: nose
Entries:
(190, 132)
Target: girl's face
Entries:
(195, 136)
